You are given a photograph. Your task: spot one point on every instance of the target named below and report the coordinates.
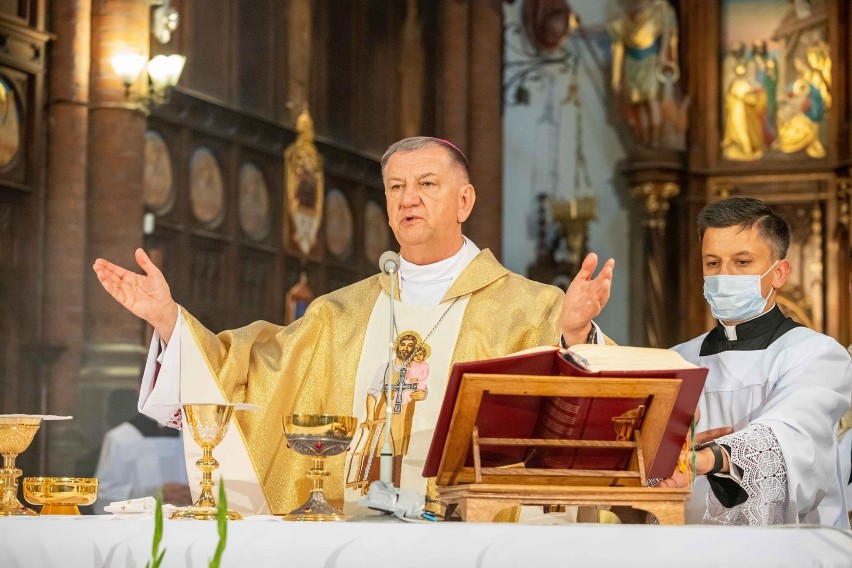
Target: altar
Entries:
(105, 541)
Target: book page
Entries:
(622, 358)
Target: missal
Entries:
(573, 418)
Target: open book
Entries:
(597, 358)
(573, 418)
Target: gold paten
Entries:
(60, 495)
(208, 424)
(16, 434)
(318, 436)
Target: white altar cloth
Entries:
(109, 542)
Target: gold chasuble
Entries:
(333, 361)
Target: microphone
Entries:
(389, 263)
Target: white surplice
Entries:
(784, 401)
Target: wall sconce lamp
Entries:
(163, 73)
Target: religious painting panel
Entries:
(376, 231)
(254, 203)
(206, 188)
(14, 119)
(158, 190)
(775, 80)
(339, 230)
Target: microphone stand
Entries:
(386, 463)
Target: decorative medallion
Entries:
(253, 202)
(338, 224)
(158, 190)
(304, 181)
(10, 131)
(206, 192)
(375, 231)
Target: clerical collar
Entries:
(752, 335)
(428, 283)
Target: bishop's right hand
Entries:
(585, 298)
(146, 295)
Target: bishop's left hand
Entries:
(585, 298)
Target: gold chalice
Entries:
(60, 495)
(16, 434)
(208, 424)
(319, 436)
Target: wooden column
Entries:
(659, 284)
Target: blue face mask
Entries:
(735, 297)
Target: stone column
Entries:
(470, 106)
(116, 163)
(66, 262)
(298, 57)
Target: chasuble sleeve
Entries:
(307, 366)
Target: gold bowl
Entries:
(60, 495)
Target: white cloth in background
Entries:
(132, 465)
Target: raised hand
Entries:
(585, 298)
(146, 295)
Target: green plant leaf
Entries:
(156, 554)
(221, 524)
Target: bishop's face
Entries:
(732, 250)
(428, 198)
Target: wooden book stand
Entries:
(481, 492)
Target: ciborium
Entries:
(318, 436)
(16, 434)
(208, 424)
(60, 495)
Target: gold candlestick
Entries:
(16, 434)
(319, 436)
(208, 424)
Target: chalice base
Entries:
(200, 513)
(60, 510)
(315, 509)
(13, 507)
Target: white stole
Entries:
(373, 361)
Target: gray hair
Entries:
(746, 212)
(421, 143)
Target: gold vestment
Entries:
(310, 365)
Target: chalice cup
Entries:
(16, 434)
(208, 424)
(318, 436)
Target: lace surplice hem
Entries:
(757, 453)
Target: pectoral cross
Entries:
(400, 387)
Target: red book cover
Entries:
(574, 418)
